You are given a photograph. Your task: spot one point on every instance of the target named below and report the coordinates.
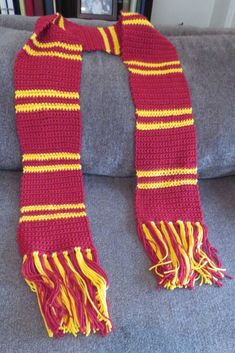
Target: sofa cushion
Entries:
(27, 23)
(108, 111)
(146, 319)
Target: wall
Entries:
(201, 13)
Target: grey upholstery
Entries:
(147, 319)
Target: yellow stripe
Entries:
(32, 208)
(137, 21)
(32, 52)
(105, 39)
(51, 168)
(146, 64)
(72, 47)
(165, 172)
(162, 125)
(128, 14)
(155, 72)
(45, 93)
(115, 40)
(49, 217)
(35, 107)
(61, 22)
(166, 184)
(49, 156)
(163, 112)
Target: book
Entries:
(142, 7)
(133, 5)
(38, 7)
(10, 7)
(69, 8)
(49, 7)
(59, 6)
(148, 8)
(3, 6)
(119, 6)
(16, 7)
(29, 8)
(22, 8)
(138, 6)
(126, 5)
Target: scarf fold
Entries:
(60, 262)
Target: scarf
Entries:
(60, 262)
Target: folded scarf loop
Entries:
(60, 262)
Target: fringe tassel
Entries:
(181, 254)
(71, 291)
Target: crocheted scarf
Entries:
(60, 262)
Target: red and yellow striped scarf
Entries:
(60, 262)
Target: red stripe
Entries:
(164, 148)
(50, 236)
(52, 188)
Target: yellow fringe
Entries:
(70, 322)
(205, 267)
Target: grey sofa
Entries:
(146, 319)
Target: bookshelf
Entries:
(70, 8)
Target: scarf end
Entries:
(71, 291)
(181, 254)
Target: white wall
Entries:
(200, 13)
(230, 19)
(219, 13)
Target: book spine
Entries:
(126, 5)
(16, 7)
(3, 6)
(133, 5)
(69, 8)
(59, 6)
(38, 7)
(29, 8)
(49, 7)
(138, 6)
(10, 7)
(119, 6)
(142, 8)
(22, 8)
(148, 8)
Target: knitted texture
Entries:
(60, 262)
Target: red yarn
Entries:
(53, 222)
